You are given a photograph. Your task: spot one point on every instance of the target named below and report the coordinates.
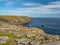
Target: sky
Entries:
(32, 8)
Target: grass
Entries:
(9, 42)
(13, 16)
(7, 16)
(6, 34)
(23, 36)
(10, 38)
(32, 38)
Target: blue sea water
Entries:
(51, 25)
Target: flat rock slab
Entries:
(52, 43)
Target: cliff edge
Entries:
(11, 34)
(16, 20)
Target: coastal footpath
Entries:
(12, 32)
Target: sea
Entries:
(49, 25)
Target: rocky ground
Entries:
(17, 34)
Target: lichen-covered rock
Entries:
(23, 41)
(14, 44)
(52, 43)
(54, 37)
(35, 43)
(39, 37)
(37, 31)
(16, 20)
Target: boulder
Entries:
(23, 41)
(35, 43)
(37, 31)
(52, 43)
(3, 39)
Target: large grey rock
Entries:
(52, 43)
(57, 37)
(39, 37)
(14, 44)
(23, 41)
(30, 34)
(35, 43)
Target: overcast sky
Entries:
(32, 8)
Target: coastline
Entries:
(11, 34)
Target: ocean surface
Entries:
(49, 25)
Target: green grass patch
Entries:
(32, 38)
(10, 38)
(6, 34)
(12, 16)
(23, 36)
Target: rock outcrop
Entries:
(52, 43)
(19, 35)
(3, 39)
(16, 20)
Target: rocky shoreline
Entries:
(12, 32)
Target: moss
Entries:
(3, 44)
(9, 42)
(13, 16)
(6, 34)
(10, 38)
(7, 16)
(32, 38)
(22, 36)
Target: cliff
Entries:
(11, 34)
(16, 20)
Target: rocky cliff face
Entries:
(17, 20)
(19, 35)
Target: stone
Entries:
(23, 41)
(30, 34)
(56, 37)
(35, 43)
(37, 31)
(14, 44)
(52, 43)
(39, 37)
(3, 39)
